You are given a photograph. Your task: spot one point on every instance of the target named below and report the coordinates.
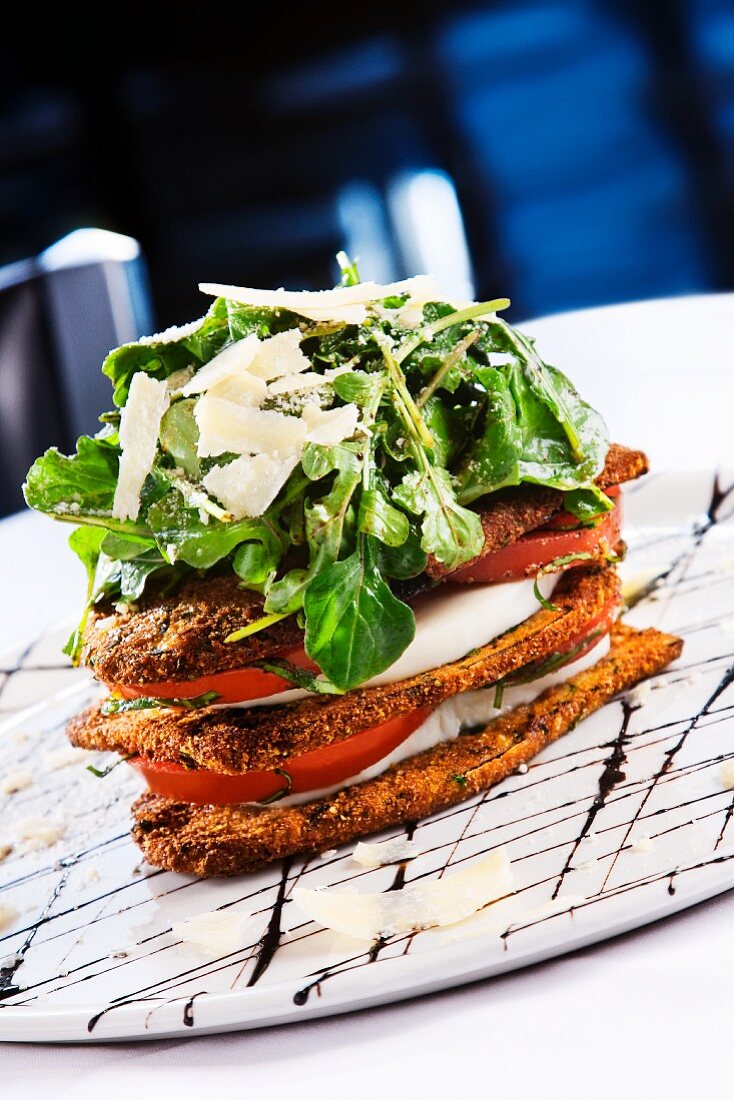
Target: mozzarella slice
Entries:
(225, 426)
(329, 426)
(247, 486)
(426, 904)
(233, 361)
(140, 423)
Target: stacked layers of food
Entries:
(351, 560)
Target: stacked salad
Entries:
(322, 446)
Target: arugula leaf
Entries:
(450, 532)
(300, 677)
(161, 360)
(80, 487)
(179, 436)
(588, 505)
(495, 458)
(147, 702)
(405, 561)
(181, 535)
(355, 626)
(86, 543)
(378, 517)
(349, 270)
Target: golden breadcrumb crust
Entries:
(232, 741)
(181, 636)
(232, 840)
(511, 513)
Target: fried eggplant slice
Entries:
(262, 738)
(232, 840)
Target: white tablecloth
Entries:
(647, 1014)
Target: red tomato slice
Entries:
(309, 772)
(595, 630)
(526, 556)
(236, 685)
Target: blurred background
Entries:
(563, 154)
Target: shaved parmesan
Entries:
(243, 389)
(308, 381)
(344, 303)
(39, 832)
(280, 354)
(232, 361)
(7, 916)
(389, 851)
(225, 426)
(218, 933)
(331, 425)
(140, 423)
(427, 904)
(247, 486)
(16, 781)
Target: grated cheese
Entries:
(426, 904)
(247, 486)
(140, 422)
(174, 333)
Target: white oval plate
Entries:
(621, 822)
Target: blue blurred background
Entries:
(563, 154)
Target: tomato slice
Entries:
(526, 556)
(236, 685)
(311, 771)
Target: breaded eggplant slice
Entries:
(181, 636)
(262, 738)
(231, 840)
(511, 513)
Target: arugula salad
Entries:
(322, 446)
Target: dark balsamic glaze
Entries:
(270, 942)
(188, 1010)
(301, 996)
(610, 776)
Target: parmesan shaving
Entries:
(7, 915)
(308, 381)
(431, 903)
(247, 486)
(234, 360)
(329, 426)
(39, 832)
(16, 781)
(224, 426)
(279, 355)
(389, 851)
(726, 774)
(140, 422)
(218, 933)
(344, 303)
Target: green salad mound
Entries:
(402, 417)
